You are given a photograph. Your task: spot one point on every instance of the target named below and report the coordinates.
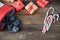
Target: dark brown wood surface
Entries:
(33, 24)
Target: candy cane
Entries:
(48, 20)
(49, 10)
(56, 16)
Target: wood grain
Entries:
(33, 24)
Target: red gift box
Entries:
(42, 3)
(31, 8)
(18, 5)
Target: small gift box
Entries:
(31, 8)
(9, 0)
(18, 5)
(42, 3)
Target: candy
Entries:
(49, 20)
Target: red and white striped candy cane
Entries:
(55, 17)
(48, 20)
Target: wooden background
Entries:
(33, 24)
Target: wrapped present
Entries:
(31, 8)
(18, 5)
(42, 3)
(9, 0)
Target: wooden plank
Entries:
(32, 25)
(33, 19)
